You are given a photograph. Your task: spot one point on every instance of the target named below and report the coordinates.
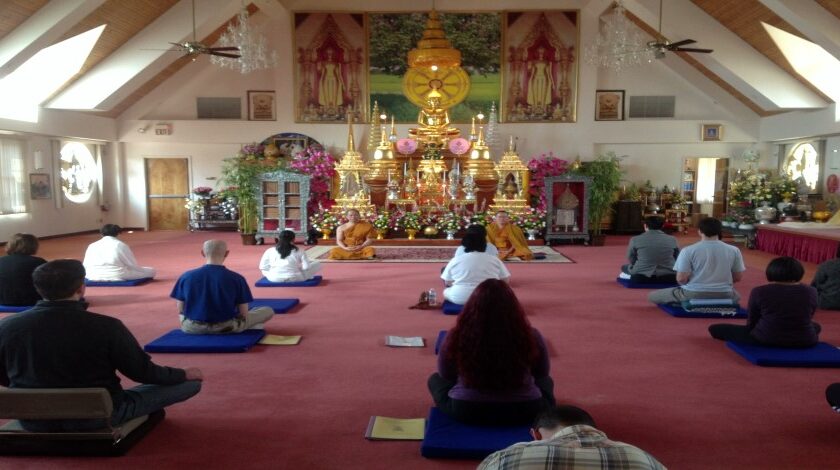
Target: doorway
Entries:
(706, 185)
(167, 186)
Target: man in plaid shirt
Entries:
(566, 438)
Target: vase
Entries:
(380, 233)
(746, 227)
(326, 234)
(532, 233)
(411, 233)
(765, 213)
(450, 234)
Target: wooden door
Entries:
(167, 187)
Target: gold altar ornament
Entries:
(353, 192)
(512, 189)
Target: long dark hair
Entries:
(286, 243)
(492, 344)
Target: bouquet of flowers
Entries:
(202, 191)
(196, 206)
(783, 188)
(542, 166)
(323, 220)
(450, 221)
(320, 165)
(410, 221)
(748, 189)
(533, 219)
(382, 221)
(479, 218)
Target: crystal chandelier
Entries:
(252, 44)
(619, 44)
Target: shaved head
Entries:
(214, 249)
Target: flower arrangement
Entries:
(323, 220)
(320, 165)
(783, 188)
(202, 191)
(383, 221)
(196, 206)
(410, 221)
(240, 174)
(748, 189)
(450, 221)
(532, 219)
(479, 218)
(541, 167)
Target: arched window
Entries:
(78, 172)
(803, 161)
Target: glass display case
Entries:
(281, 203)
(567, 207)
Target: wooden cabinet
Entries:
(628, 217)
(281, 203)
(567, 206)
(678, 218)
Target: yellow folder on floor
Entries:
(277, 340)
(383, 428)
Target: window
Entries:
(78, 172)
(803, 162)
(12, 169)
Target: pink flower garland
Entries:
(542, 167)
(320, 165)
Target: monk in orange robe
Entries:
(508, 238)
(354, 238)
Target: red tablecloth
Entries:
(800, 245)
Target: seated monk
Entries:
(508, 238)
(354, 238)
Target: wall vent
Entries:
(652, 106)
(219, 108)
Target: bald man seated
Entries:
(214, 299)
(354, 238)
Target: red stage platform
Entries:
(805, 244)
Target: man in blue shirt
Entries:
(214, 299)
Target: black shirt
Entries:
(16, 286)
(58, 344)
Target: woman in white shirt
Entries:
(285, 263)
(109, 259)
(464, 272)
(479, 229)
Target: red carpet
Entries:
(649, 379)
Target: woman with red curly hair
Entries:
(493, 366)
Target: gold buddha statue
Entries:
(434, 122)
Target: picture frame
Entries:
(262, 105)
(712, 132)
(609, 105)
(39, 186)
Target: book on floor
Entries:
(404, 341)
(277, 340)
(384, 428)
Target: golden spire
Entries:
(351, 144)
(433, 48)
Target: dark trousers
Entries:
(832, 394)
(642, 279)
(490, 413)
(741, 334)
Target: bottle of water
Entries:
(432, 297)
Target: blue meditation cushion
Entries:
(821, 355)
(703, 312)
(278, 305)
(133, 282)
(450, 308)
(439, 341)
(644, 285)
(263, 282)
(14, 308)
(448, 439)
(176, 341)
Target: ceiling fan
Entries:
(194, 48)
(661, 45)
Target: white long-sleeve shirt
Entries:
(295, 267)
(109, 259)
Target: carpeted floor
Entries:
(427, 254)
(649, 379)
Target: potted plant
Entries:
(606, 176)
(241, 175)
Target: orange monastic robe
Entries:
(504, 238)
(354, 236)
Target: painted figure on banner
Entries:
(541, 83)
(331, 85)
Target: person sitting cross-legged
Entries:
(827, 282)
(109, 259)
(286, 263)
(214, 299)
(493, 365)
(706, 269)
(508, 238)
(16, 268)
(481, 231)
(464, 272)
(354, 238)
(58, 344)
(565, 437)
(652, 255)
(780, 313)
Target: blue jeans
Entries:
(138, 401)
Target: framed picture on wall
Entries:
(39, 186)
(609, 105)
(262, 105)
(712, 132)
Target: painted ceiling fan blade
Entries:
(232, 48)
(224, 54)
(684, 42)
(691, 49)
